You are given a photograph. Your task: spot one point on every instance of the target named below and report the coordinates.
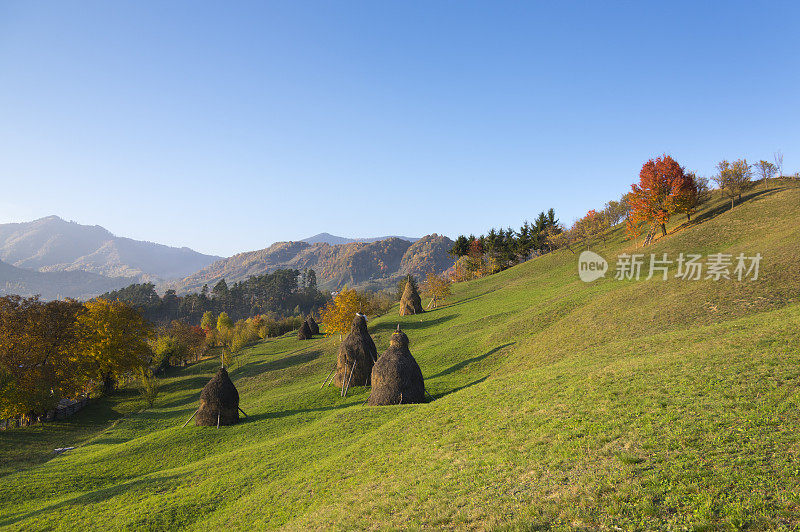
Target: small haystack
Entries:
(219, 402)
(313, 325)
(357, 354)
(396, 377)
(410, 303)
(305, 332)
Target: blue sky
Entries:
(227, 126)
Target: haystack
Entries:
(396, 377)
(357, 354)
(305, 332)
(219, 402)
(313, 325)
(410, 303)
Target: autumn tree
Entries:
(558, 237)
(437, 287)
(765, 170)
(686, 195)
(733, 178)
(338, 314)
(614, 212)
(653, 198)
(224, 322)
(38, 355)
(594, 224)
(208, 322)
(113, 339)
(703, 189)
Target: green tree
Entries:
(224, 322)
(208, 322)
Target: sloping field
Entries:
(558, 404)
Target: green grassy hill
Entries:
(558, 404)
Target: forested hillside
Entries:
(377, 264)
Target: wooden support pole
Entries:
(217, 419)
(344, 390)
(243, 412)
(328, 378)
(190, 418)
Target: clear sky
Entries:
(227, 126)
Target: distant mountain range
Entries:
(376, 264)
(54, 245)
(56, 258)
(333, 240)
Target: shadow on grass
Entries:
(91, 497)
(439, 395)
(469, 299)
(465, 363)
(286, 413)
(253, 369)
(726, 206)
(413, 325)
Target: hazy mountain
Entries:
(375, 264)
(54, 245)
(55, 285)
(333, 240)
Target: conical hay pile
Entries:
(396, 376)
(357, 354)
(219, 402)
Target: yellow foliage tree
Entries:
(112, 340)
(338, 314)
(37, 355)
(437, 287)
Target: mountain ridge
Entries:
(327, 238)
(51, 244)
(373, 264)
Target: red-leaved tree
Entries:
(661, 191)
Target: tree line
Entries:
(664, 189)
(278, 294)
(502, 248)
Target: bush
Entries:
(148, 386)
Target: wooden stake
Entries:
(217, 419)
(190, 418)
(348, 380)
(328, 378)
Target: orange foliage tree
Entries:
(661, 191)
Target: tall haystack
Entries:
(396, 377)
(305, 332)
(313, 325)
(410, 303)
(219, 402)
(357, 354)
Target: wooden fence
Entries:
(64, 409)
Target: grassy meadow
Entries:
(615, 405)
